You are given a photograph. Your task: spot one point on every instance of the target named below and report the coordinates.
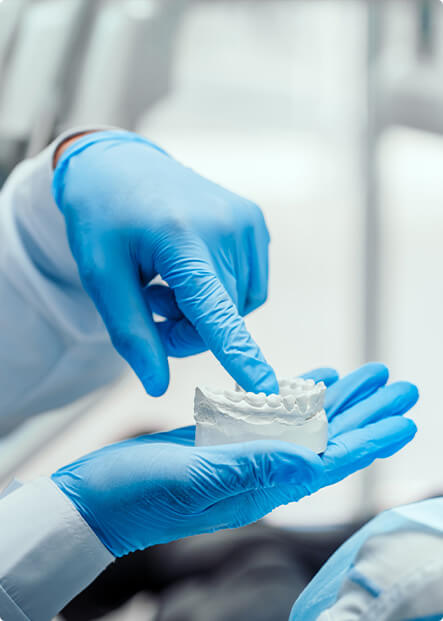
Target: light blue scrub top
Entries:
(327, 587)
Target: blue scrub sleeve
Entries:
(396, 555)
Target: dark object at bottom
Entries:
(255, 572)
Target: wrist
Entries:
(74, 497)
(65, 144)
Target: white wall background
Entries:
(269, 101)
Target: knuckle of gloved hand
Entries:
(263, 296)
(226, 221)
(174, 223)
(254, 214)
(259, 298)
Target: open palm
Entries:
(160, 487)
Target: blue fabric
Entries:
(365, 582)
(158, 488)
(322, 592)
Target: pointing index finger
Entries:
(203, 299)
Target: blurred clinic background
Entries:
(329, 114)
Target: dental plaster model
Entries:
(295, 415)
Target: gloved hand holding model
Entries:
(132, 212)
(133, 495)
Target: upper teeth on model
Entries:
(298, 399)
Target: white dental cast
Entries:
(295, 415)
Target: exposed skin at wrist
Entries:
(65, 144)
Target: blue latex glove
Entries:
(132, 212)
(158, 488)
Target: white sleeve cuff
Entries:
(49, 554)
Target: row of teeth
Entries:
(295, 394)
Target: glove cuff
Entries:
(88, 140)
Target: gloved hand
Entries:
(158, 488)
(132, 212)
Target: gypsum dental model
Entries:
(296, 415)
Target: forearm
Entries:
(51, 336)
(47, 560)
